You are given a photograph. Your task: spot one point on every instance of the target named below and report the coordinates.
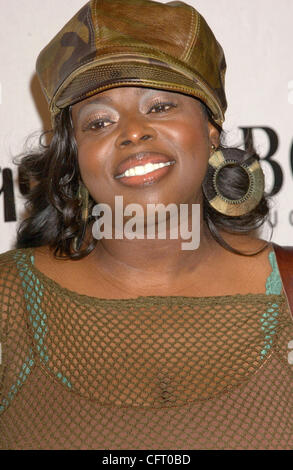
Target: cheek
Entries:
(190, 133)
(192, 145)
(92, 168)
(89, 159)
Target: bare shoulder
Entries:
(44, 260)
(71, 274)
(249, 242)
(249, 271)
(59, 270)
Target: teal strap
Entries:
(274, 282)
(269, 319)
(33, 293)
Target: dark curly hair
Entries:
(54, 213)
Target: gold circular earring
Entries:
(233, 207)
(83, 197)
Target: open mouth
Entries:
(143, 168)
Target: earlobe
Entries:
(214, 135)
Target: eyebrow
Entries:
(96, 100)
(99, 99)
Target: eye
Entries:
(161, 106)
(97, 124)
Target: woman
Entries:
(125, 343)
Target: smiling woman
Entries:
(135, 343)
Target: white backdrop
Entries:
(257, 39)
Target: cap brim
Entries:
(96, 78)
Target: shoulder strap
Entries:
(284, 256)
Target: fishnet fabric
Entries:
(79, 372)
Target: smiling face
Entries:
(160, 126)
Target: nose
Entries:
(135, 130)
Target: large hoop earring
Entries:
(233, 207)
(83, 197)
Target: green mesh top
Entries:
(176, 372)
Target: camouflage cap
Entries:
(113, 43)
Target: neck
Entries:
(147, 262)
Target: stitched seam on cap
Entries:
(187, 49)
(96, 23)
(182, 87)
(90, 21)
(194, 39)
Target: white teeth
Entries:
(144, 169)
(131, 172)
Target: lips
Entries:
(141, 158)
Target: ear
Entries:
(214, 135)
